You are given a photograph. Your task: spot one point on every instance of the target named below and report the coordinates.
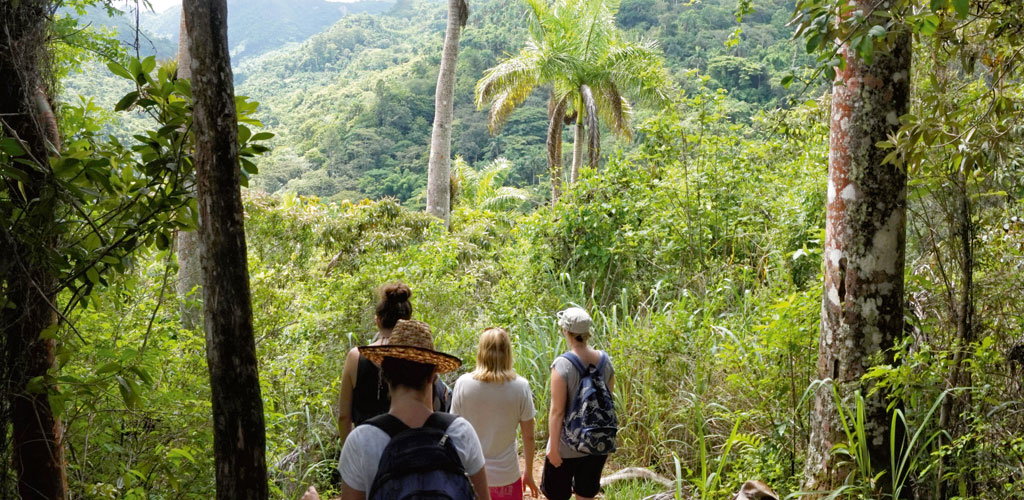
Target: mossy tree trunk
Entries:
(865, 239)
(26, 278)
(239, 439)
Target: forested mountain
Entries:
(259, 26)
(352, 105)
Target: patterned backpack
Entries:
(590, 424)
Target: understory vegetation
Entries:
(696, 246)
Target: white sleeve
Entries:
(357, 470)
(467, 444)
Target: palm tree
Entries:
(576, 47)
(438, 167)
(483, 189)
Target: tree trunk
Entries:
(238, 432)
(28, 284)
(865, 238)
(577, 148)
(556, 113)
(961, 377)
(187, 242)
(438, 169)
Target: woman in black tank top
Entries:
(364, 394)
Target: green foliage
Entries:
(696, 248)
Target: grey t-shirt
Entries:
(365, 444)
(571, 376)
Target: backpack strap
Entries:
(392, 425)
(388, 423)
(440, 420)
(602, 362)
(576, 362)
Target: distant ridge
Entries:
(259, 26)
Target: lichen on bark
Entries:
(862, 303)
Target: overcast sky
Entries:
(161, 5)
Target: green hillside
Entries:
(259, 26)
(353, 105)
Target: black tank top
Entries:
(370, 396)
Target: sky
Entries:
(162, 5)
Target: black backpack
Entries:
(419, 463)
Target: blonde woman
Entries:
(496, 400)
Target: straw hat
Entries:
(411, 340)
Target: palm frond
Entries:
(614, 109)
(554, 143)
(463, 13)
(505, 198)
(518, 73)
(639, 70)
(492, 175)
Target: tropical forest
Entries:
(794, 227)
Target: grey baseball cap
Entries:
(574, 319)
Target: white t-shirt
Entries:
(495, 410)
(365, 444)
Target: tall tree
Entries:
(439, 166)
(865, 239)
(576, 47)
(29, 284)
(238, 430)
(187, 242)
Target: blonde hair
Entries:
(494, 357)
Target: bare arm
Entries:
(555, 417)
(479, 481)
(528, 482)
(350, 493)
(348, 384)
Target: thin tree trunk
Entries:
(29, 285)
(238, 431)
(577, 148)
(865, 239)
(187, 242)
(556, 113)
(439, 167)
(964, 329)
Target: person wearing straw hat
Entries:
(363, 394)
(409, 364)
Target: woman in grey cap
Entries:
(571, 467)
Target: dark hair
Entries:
(403, 372)
(394, 304)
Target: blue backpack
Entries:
(590, 425)
(419, 463)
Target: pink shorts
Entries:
(512, 491)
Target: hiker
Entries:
(496, 400)
(363, 393)
(412, 449)
(582, 423)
